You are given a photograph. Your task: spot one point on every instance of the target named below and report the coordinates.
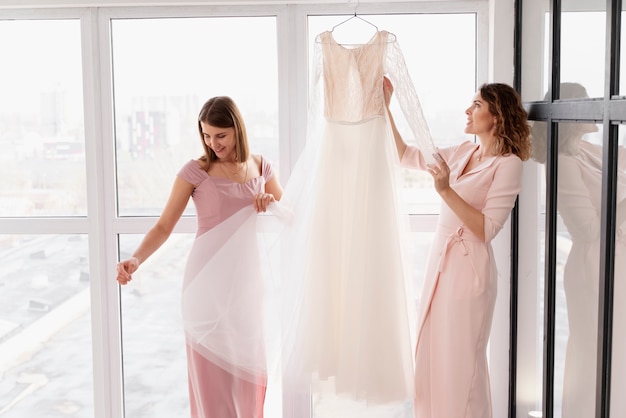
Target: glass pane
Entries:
(163, 71)
(578, 251)
(532, 294)
(618, 365)
(583, 39)
(622, 66)
(155, 367)
(582, 42)
(578, 227)
(45, 327)
(443, 99)
(42, 163)
(577, 268)
(535, 52)
(535, 76)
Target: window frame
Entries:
(102, 225)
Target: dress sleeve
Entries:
(412, 158)
(267, 170)
(192, 173)
(404, 91)
(506, 185)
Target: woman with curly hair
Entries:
(478, 183)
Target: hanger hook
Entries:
(357, 5)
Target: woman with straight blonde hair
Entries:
(222, 297)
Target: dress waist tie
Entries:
(454, 238)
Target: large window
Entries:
(42, 169)
(163, 71)
(564, 328)
(98, 112)
(45, 321)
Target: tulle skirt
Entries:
(348, 341)
(224, 321)
(334, 325)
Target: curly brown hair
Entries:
(512, 127)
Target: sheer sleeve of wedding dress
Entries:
(405, 93)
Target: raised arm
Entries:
(273, 191)
(406, 96)
(400, 144)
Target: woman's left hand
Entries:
(262, 201)
(441, 173)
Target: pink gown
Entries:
(222, 299)
(459, 294)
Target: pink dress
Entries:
(579, 204)
(222, 298)
(459, 294)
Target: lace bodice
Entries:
(351, 83)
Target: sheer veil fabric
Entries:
(346, 328)
(226, 340)
(226, 299)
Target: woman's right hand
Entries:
(262, 200)
(125, 269)
(441, 174)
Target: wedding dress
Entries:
(347, 328)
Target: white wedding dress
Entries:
(347, 329)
